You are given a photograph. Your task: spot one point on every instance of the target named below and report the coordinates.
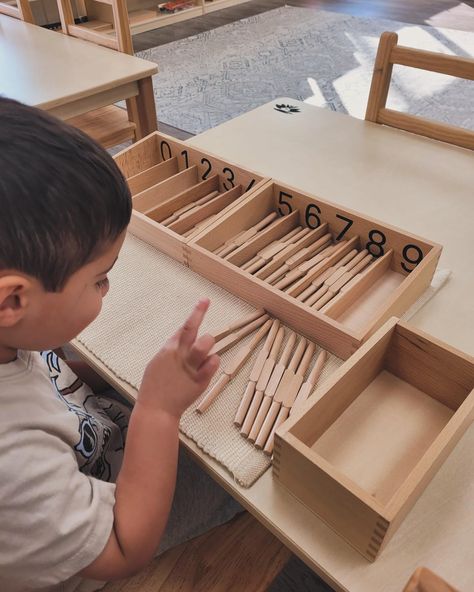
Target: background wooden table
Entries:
(68, 76)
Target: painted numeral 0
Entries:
(164, 144)
(411, 260)
(284, 203)
(311, 216)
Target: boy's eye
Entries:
(102, 283)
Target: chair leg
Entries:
(25, 11)
(132, 110)
(66, 15)
(122, 26)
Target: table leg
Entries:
(146, 108)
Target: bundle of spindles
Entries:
(307, 264)
(329, 267)
(244, 236)
(192, 217)
(277, 385)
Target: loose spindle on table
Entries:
(232, 338)
(233, 366)
(309, 385)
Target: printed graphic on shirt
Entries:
(102, 422)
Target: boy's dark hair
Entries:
(63, 199)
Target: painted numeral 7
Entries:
(346, 227)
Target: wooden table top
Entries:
(422, 186)
(46, 69)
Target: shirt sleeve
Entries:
(54, 519)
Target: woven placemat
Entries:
(151, 295)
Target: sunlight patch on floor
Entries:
(458, 12)
(407, 82)
(317, 97)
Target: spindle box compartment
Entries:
(402, 267)
(166, 177)
(378, 431)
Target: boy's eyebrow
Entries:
(109, 268)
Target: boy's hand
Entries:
(181, 370)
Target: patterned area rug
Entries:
(321, 57)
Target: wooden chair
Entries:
(390, 53)
(424, 580)
(19, 9)
(107, 24)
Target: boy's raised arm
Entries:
(173, 380)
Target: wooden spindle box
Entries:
(403, 269)
(164, 174)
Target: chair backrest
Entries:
(106, 23)
(390, 53)
(19, 9)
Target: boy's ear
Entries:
(13, 299)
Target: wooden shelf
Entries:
(109, 125)
(145, 16)
(147, 20)
(213, 5)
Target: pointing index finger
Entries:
(189, 330)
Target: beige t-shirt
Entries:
(60, 450)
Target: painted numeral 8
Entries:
(376, 240)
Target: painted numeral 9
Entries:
(412, 255)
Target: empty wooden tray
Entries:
(362, 452)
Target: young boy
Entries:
(76, 507)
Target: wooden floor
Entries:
(236, 557)
(187, 568)
(448, 13)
